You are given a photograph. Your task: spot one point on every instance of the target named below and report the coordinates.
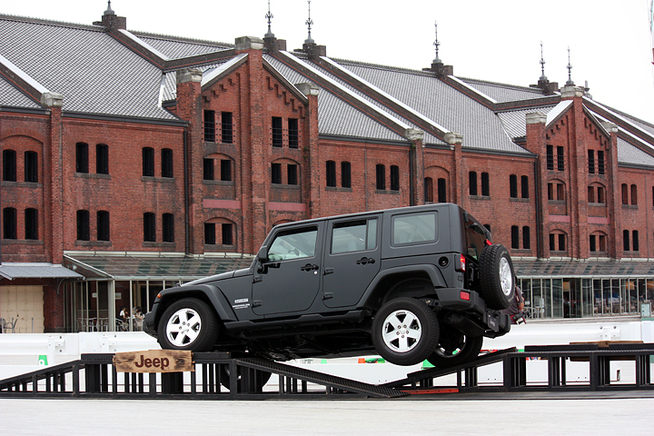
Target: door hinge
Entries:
(327, 295)
(256, 303)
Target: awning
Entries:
(36, 270)
(155, 266)
(583, 268)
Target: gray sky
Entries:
(610, 40)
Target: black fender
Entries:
(212, 294)
(431, 270)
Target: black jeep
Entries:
(410, 284)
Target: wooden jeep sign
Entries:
(154, 361)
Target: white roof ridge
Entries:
(386, 95)
(23, 75)
(557, 110)
(347, 91)
(215, 72)
(622, 117)
(144, 44)
(475, 90)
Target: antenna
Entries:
(436, 44)
(542, 64)
(309, 22)
(269, 17)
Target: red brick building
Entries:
(132, 161)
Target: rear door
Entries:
(352, 259)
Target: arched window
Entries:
(168, 227)
(598, 243)
(31, 166)
(9, 165)
(102, 159)
(513, 186)
(31, 224)
(167, 163)
(330, 168)
(81, 157)
(149, 227)
(83, 228)
(380, 173)
(442, 190)
(557, 241)
(429, 190)
(148, 161)
(346, 175)
(634, 195)
(9, 223)
(103, 225)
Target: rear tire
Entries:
(455, 349)
(496, 277)
(188, 324)
(405, 331)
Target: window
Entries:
(83, 228)
(227, 233)
(168, 227)
(472, 182)
(515, 237)
(600, 162)
(634, 195)
(102, 159)
(560, 166)
(293, 133)
(209, 233)
(207, 169)
(513, 186)
(625, 240)
(149, 227)
(9, 165)
(31, 224)
(346, 175)
(293, 245)
(380, 177)
(395, 178)
(354, 236)
(331, 173)
(556, 191)
(601, 195)
(167, 163)
(225, 170)
(525, 186)
(276, 131)
(148, 162)
(485, 185)
(291, 174)
(9, 223)
(526, 240)
(103, 225)
(550, 157)
(415, 228)
(557, 238)
(591, 194)
(209, 126)
(31, 166)
(81, 157)
(596, 194)
(591, 161)
(227, 127)
(442, 190)
(625, 194)
(276, 173)
(429, 190)
(635, 245)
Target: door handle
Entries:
(309, 267)
(365, 260)
(328, 271)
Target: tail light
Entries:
(462, 263)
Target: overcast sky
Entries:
(609, 40)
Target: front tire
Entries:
(496, 277)
(188, 324)
(405, 331)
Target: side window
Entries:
(354, 236)
(293, 245)
(414, 228)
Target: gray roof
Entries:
(514, 121)
(94, 72)
(502, 93)
(10, 96)
(174, 47)
(480, 127)
(629, 154)
(35, 270)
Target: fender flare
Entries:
(212, 293)
(431, 270)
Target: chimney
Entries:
(111, 21)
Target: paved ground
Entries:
(617, 414)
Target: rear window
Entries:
(418, 228)
(475, 239)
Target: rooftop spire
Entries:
(542, 64)
(436, 44)
(569, 82)
(109, 11)
(269, 17)
(309, 22)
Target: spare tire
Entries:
(496, 276)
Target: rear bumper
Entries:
(467, 311)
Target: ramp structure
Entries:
(220, 376)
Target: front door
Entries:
(352, 260)
(290, 279)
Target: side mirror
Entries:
(262, 255)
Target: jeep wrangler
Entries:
(409, 284)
